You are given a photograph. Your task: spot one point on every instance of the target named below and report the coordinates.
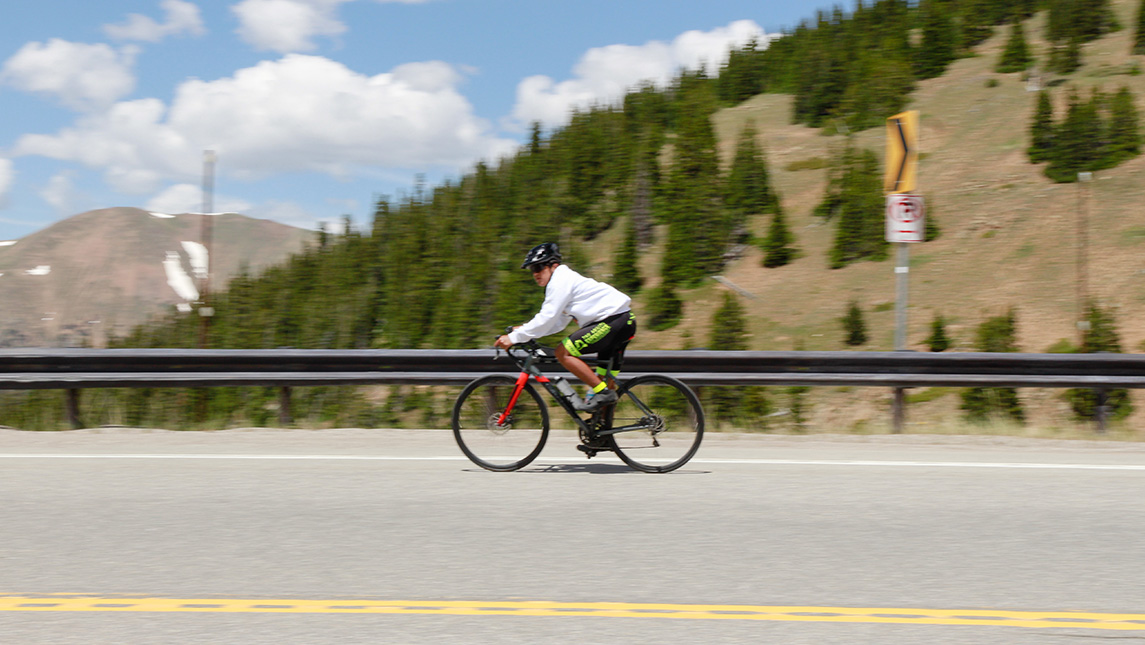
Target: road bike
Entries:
(501, 423)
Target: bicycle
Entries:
(501, 423)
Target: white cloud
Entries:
(287, 25)
(290, 26)
(61, 194)
(117, 141)
(182, 17)
(605, 74)
(188, 198)
(297, 114)
(80, 75)
(5, 179)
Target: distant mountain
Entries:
(103, 271)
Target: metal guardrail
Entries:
(83, 368)
(75, 369)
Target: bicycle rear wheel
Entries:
(660, 423)
(500, 446)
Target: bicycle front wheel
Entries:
(490, 438)
(658, 423)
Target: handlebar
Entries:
(522, 351)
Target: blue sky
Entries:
(314, 107)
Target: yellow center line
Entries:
(892, 615)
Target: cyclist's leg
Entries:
(606, 339)
(612, 357)
(576, 366)
(586, 340)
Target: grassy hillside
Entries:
(1009, 234)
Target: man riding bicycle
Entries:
(603, 313)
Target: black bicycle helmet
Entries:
(542, 254)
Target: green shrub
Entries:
(997, 334)
(1101, 337)
(938, 341)
(854, 327)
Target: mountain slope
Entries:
(107, 266)
(1009, 234)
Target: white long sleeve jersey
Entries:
(570, 295)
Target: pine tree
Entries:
(1042, 130)
(748, 186)
(1078, 141)
(1139, 32)
(729, 326)
(976, 20)
(879, 84)
(740, 77)
(1079, 20)
(938, 41)
(938, 340)
(822, 78)
(728, 333)
(1065, 57)
(997, 334)
(1016, 57)
(832, 203)
(861, 232)
(664, 308)
(854, 327)
(1021, 9)
(625, 275)
(740, 406)
(1124, 132)
(777, 245)
(691, 198)
(1101, 336)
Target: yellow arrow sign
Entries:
(902, 153)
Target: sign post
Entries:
(905, 223)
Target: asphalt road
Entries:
(369, 536)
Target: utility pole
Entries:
(206, 311)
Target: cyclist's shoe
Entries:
(592, 446)
(596, 401)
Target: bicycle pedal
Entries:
(592, 450)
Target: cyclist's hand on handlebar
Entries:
(503, 341)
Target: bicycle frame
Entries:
(590, 428)
(530, 370)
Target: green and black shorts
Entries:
(606, 338)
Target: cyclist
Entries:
(603, 313)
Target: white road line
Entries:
(226, 456)
(706, 461)
(921, 464)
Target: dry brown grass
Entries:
(1009, 236)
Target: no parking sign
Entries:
(906, 218)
